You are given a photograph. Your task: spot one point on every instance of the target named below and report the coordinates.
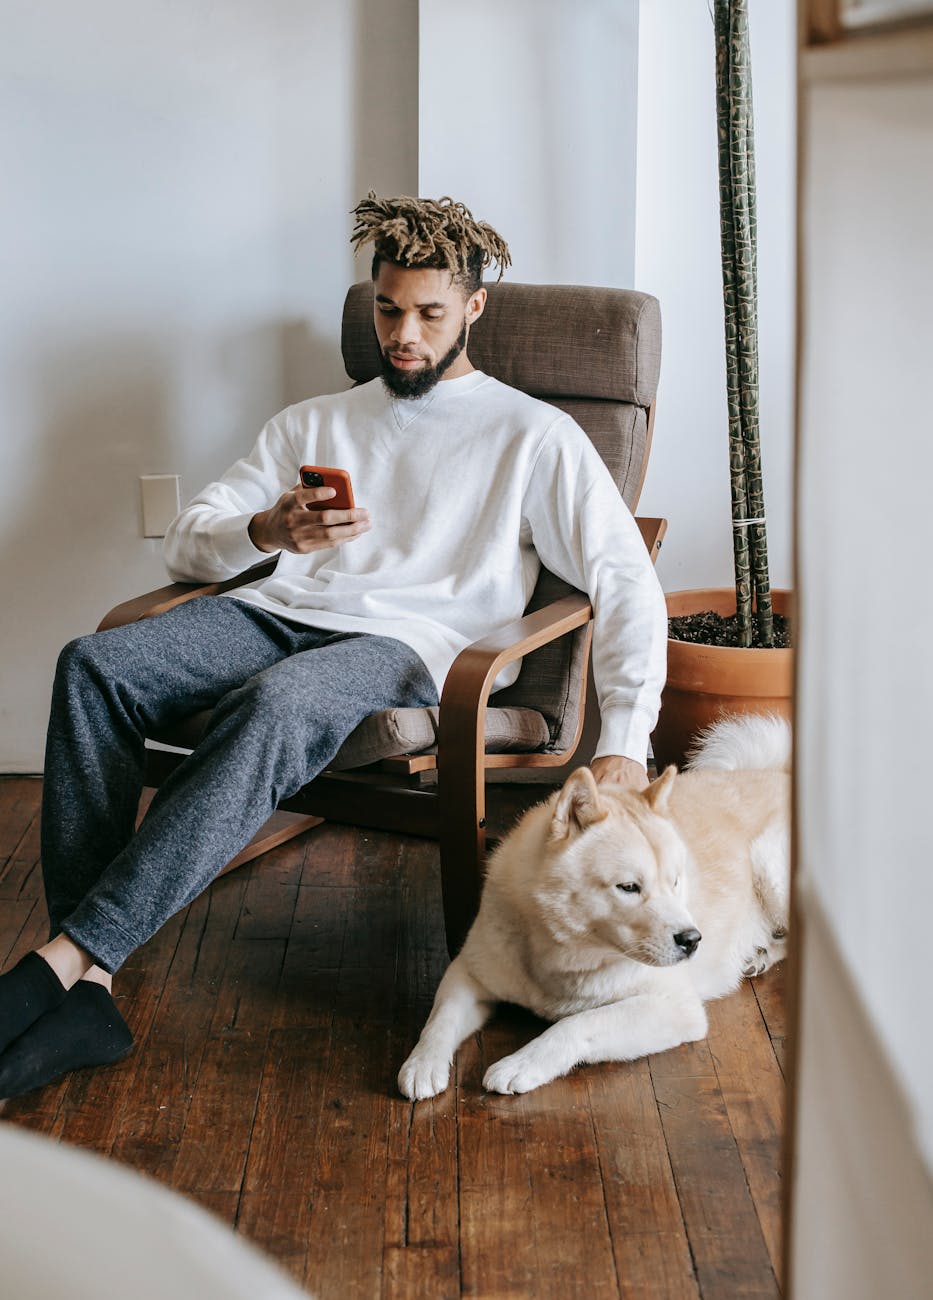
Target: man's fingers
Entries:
(333, 518)
(314, 537)
(307, 496)
(340, 532)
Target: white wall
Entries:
(862, 1196)
(677, 258)
(528, 113)
(861, 1220)
(866, 464)
(177, 182)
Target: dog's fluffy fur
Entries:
(595, 901)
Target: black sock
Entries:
(27, 992)
(87, 1029)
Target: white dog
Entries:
(594, 903)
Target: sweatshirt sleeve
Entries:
(209, 540)
(584, 532)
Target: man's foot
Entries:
(86, 1029)
(27, 992)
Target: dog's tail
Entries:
(746, 740)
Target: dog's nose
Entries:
(688, 940)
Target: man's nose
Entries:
(407, 329)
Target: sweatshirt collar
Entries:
(441, 391)
(462, 384)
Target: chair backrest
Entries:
(596, 354)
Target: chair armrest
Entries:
(461, 724)
(652, 532)
(165, 598)
(473, 672)
(461, 729)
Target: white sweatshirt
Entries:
(469, 490)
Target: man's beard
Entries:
(401, 383)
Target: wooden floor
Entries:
(271, 1018)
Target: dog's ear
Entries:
(578, 805)
(658, 794)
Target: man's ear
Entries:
(578, 805)
(475, 306)
(658, 794)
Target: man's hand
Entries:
(292, 525)
(613, 769)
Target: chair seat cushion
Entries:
(398, 731)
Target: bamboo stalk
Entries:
(742, 156)
(737, 476)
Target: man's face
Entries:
(422, 321)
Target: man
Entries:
(469, 486)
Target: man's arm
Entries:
(584, 532)
(255, 509)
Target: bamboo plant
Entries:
(735, 128)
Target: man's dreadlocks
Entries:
(431, 234)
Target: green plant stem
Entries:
(742, 156)
(737, 476)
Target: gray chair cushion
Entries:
(551, 679)
(414, 731)
(619, 432)
(395, 732)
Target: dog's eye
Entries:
(630, 887)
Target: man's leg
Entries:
(109, 689)
(267, 738)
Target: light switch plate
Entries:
(161, 495)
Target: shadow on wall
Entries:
(88, 415)
(306, 362)
(105, 410)
(92, 409)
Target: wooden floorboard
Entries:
(750, 1082)
(271, 1017)
(650, 1245)
(726, 1238)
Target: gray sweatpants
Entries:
(283, 697)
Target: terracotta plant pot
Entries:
(705, 682)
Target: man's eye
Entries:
(387, 311)
(630, 887)
(437, 315)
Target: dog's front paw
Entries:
(520, 1072)
(423, 1075)
(764, 958)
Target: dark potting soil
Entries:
(707, 628)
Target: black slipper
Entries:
(87, 1029)
(27, 992)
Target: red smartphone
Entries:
(322, 476)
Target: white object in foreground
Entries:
(77, 1225)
